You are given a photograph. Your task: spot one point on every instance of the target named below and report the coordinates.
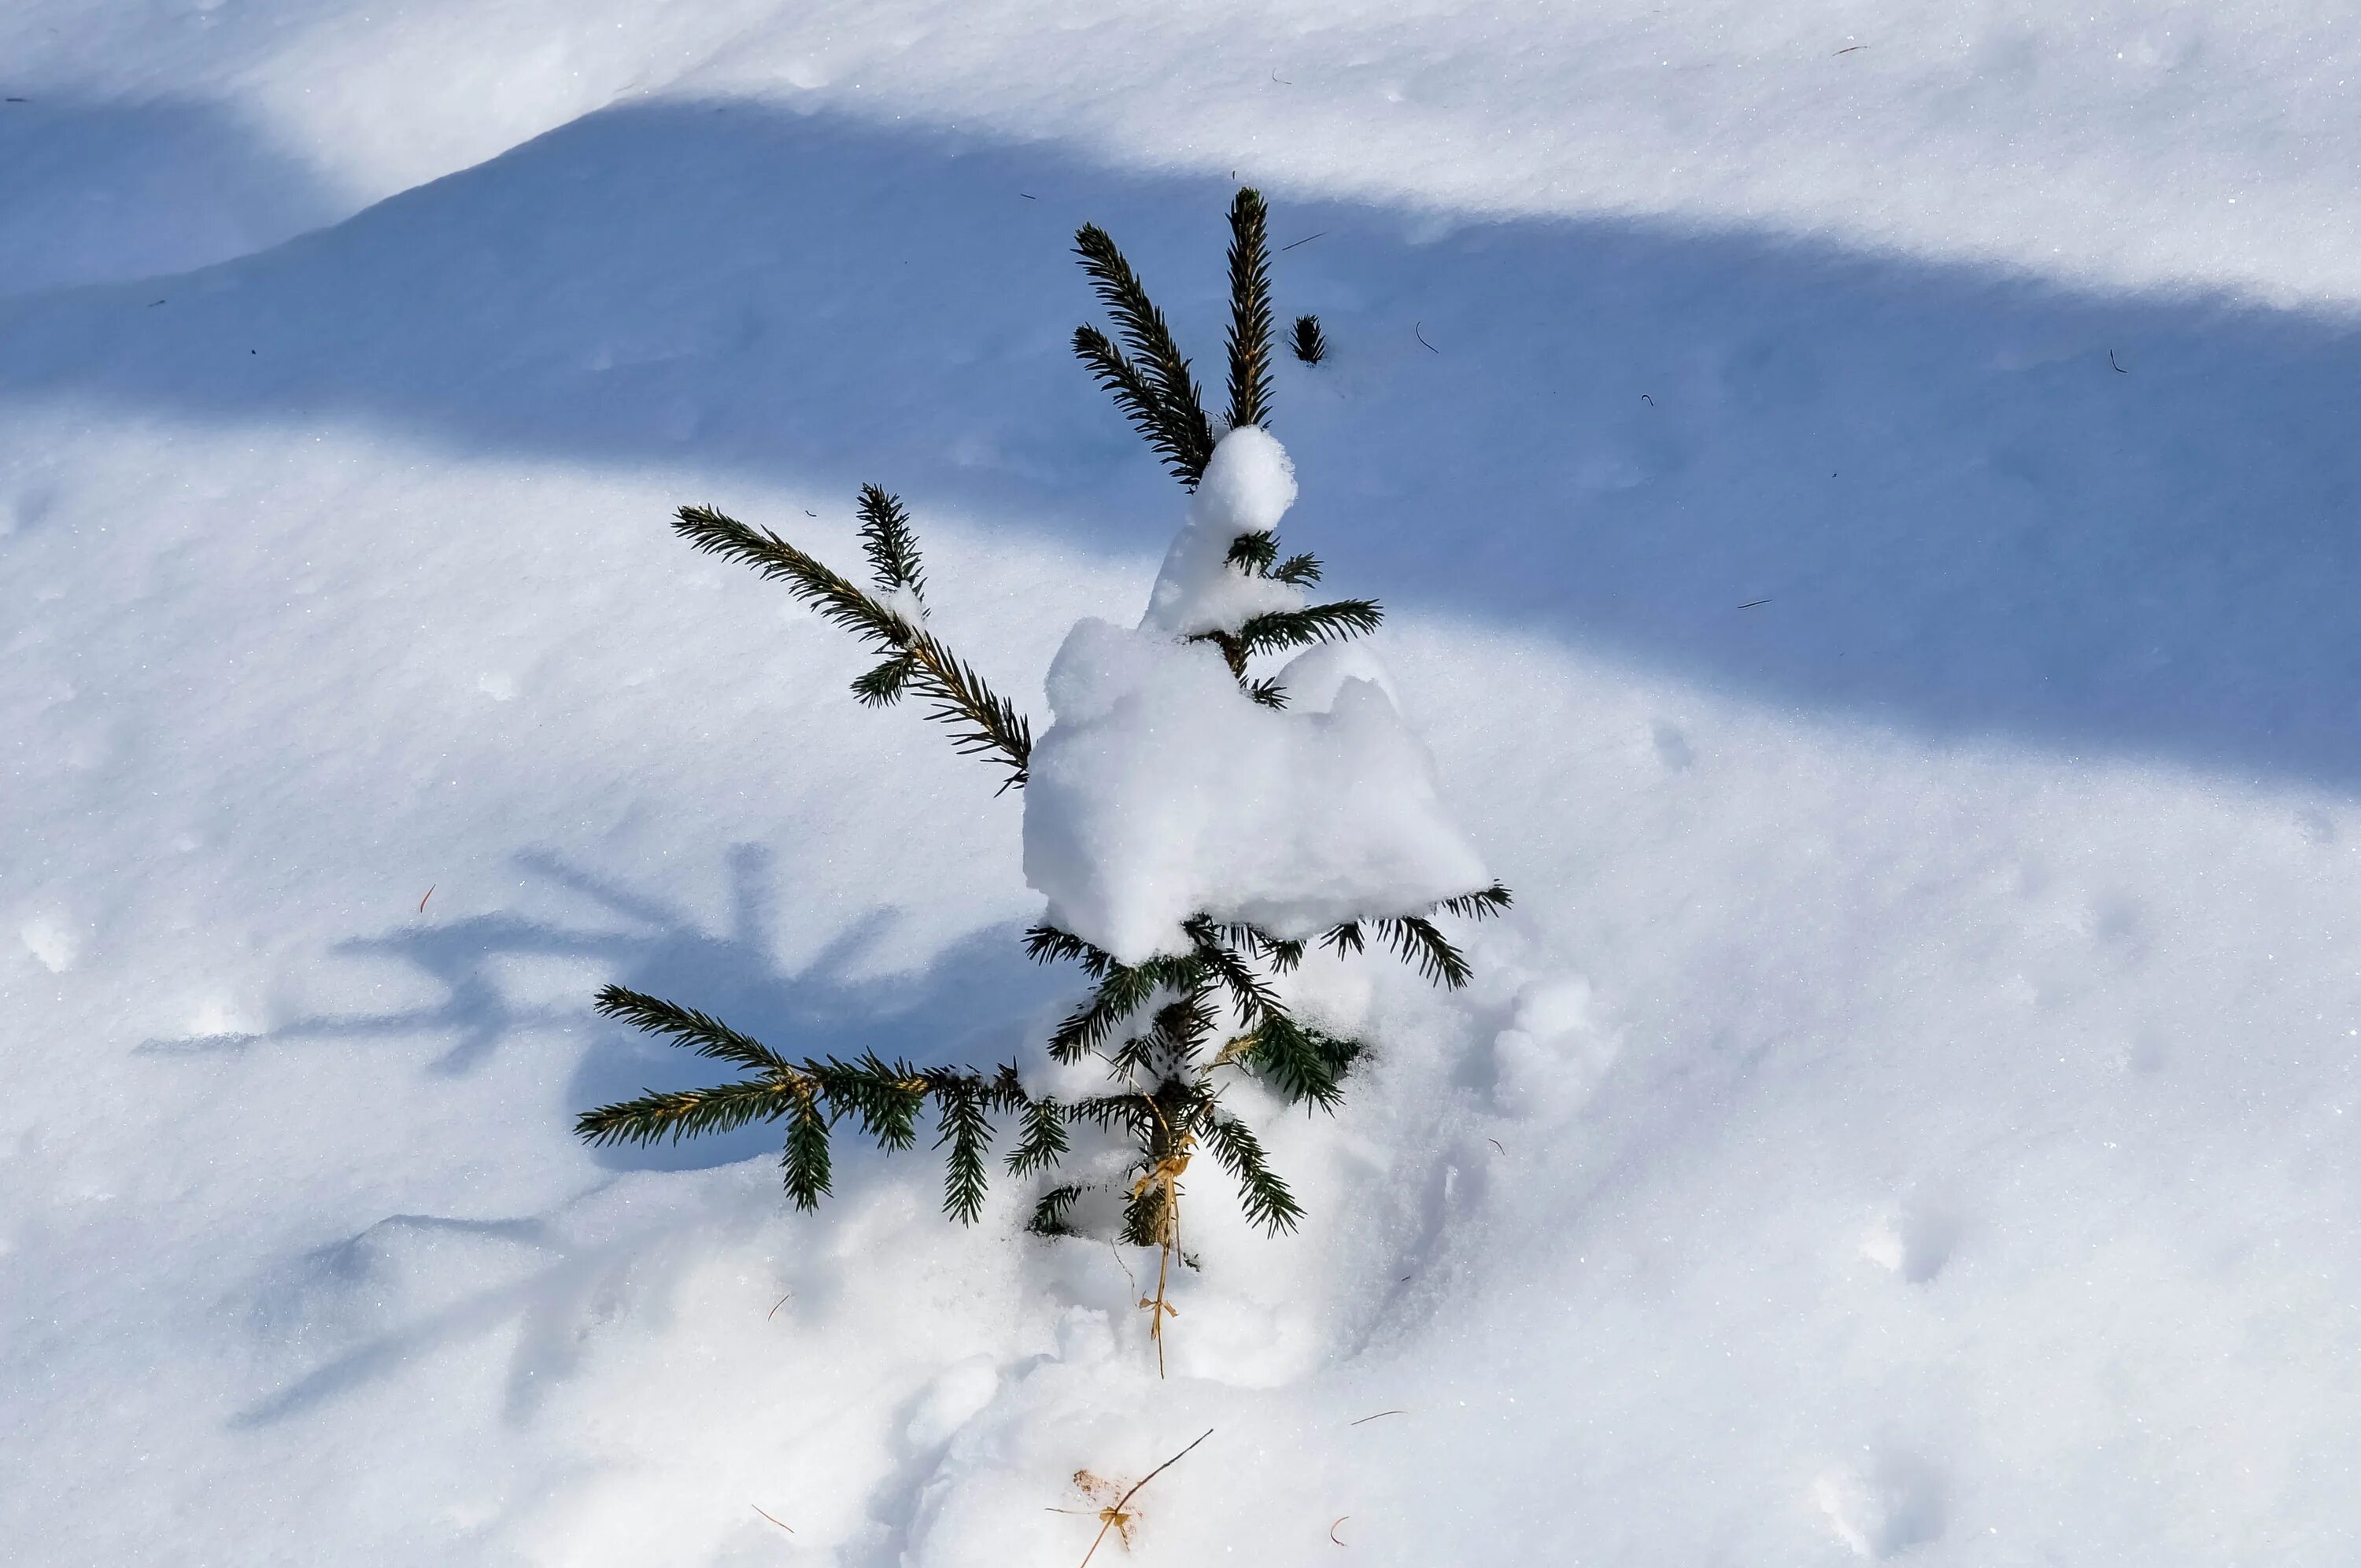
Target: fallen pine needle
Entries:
(429, 893)
(1113, 1515)
(777, 1305)
(1332, 1529)
(774, 1520)
(1365, 1420)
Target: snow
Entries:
(1161, 790)
(1247, 486)
(1908, 1115)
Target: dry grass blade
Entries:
(1115, 1517)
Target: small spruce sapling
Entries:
(1173, 1026)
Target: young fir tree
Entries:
(1171, 1030)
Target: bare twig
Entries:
(1113, 1515)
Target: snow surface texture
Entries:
(1909, 1117)
(1162, 791)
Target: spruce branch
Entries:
(1262, 1192)
(1310, 345)
(1267, 692)
(1251, 993)
(1134, 1111)
(1415, 941)
(717, 533)
(1172, 439)
(981, 722)
(707, 1036)
(883, 686)
(1303, 1065)
(1050, 1213)
(1040, 1139)
(1283, 954)
(966, 1132)
(1301, 571)
(1124, 992)
(1480, 904)
(889, 542)
(884, 1097)
(1166, 372)
(1249, 335)
(804, 1163)
(1254, 553)
(1344, 940)
(1330, 622)
(1181, 1027)
(674, 1115)
(1045, 944)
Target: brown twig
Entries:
(1113, 1515)
(773, 1518)
(1365, 1420)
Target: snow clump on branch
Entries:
(1161, 790)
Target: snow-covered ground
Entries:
(1911, 1114)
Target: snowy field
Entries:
(1868, 509)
